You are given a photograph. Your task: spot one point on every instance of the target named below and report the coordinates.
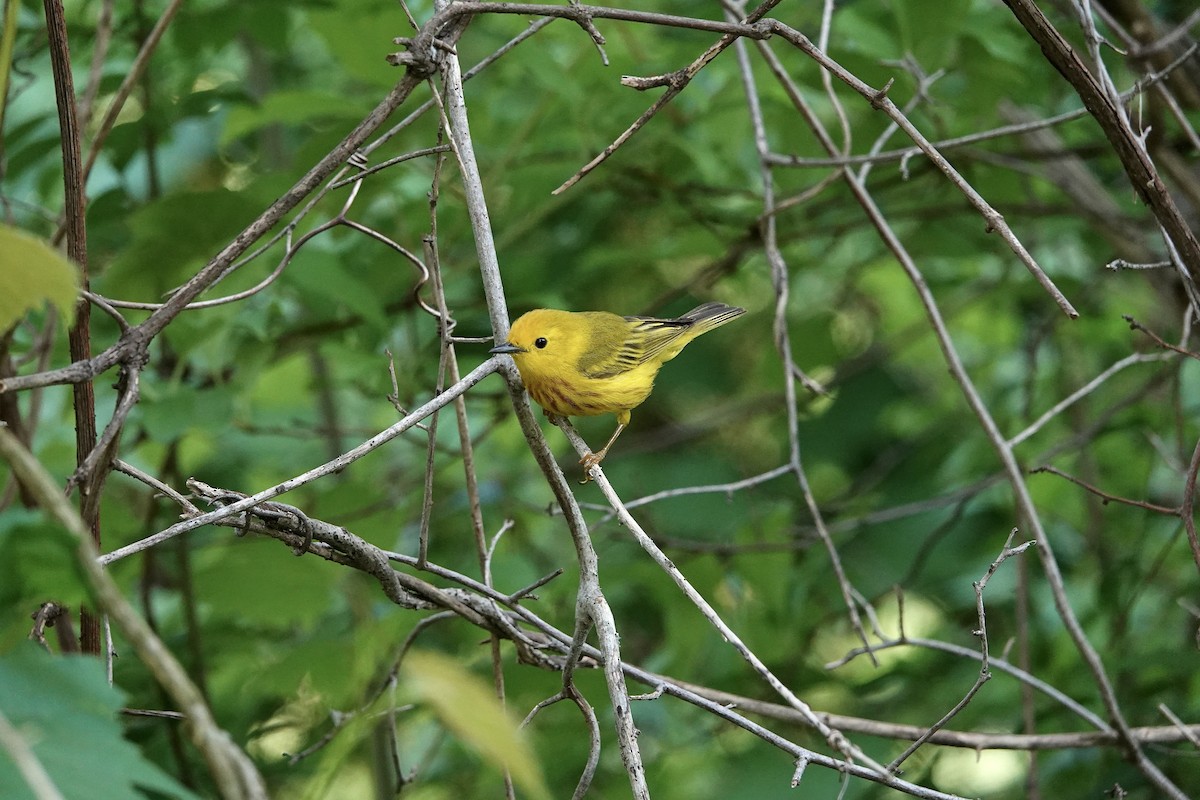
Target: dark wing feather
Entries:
(659, 335)
(656, 335)
(646, 338)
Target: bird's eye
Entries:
(540, 342)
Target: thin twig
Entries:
(1012, 470)
(985, 673)
(833, 737)
(1094, 91)
(1080, 393)
(233, 772)
(675, 83)
(1187, 509)
(878, 99)
(138, 339)
(592, 609)
(781, 282)
(329, 467)
(132, 76)
(1105, 496)
(1134, 325)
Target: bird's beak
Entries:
(506, 348)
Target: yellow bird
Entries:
(585, 363)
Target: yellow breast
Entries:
(575, 395)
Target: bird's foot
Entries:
(589, 461)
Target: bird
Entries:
(587, 363)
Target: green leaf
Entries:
(358, 49)
(159, 258)
(37, 562)
(467, 706)
(326, 282)
(34, 273)
(67, 714)
(231, 577)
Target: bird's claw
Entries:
(589, 461)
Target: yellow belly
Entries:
(587, 397)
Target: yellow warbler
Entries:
(585, 363)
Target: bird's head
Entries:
(543, 338)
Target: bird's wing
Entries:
(654, 336)
(608, 353)
(644, 339)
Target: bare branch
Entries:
(984, 656)
(1129, 148)
(878, 99)
(329, 467)
(232, 770)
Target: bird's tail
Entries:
(664, 338)
(700, 319)
(710, 315)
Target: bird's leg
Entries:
(592, 459)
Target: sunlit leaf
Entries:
(468, 707)
(33, 273)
